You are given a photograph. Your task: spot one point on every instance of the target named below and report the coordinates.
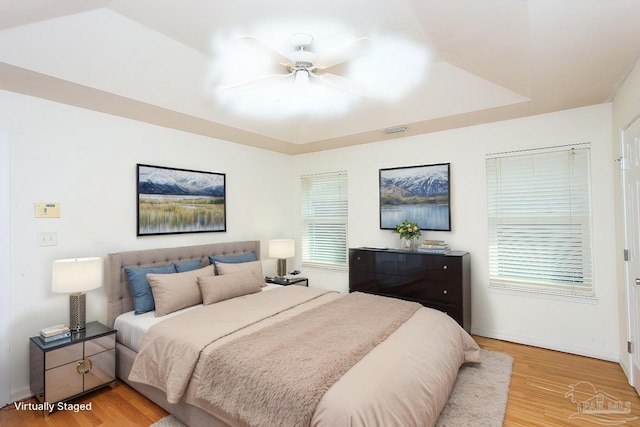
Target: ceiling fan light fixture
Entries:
(301, 77)
(395, 129)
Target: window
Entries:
(324, 220)
(540, 220)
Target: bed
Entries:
(201, 362)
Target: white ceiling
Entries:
(156, 60)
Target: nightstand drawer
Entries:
(98, 345)
(102, 371)
(63, 355)
(62, 382)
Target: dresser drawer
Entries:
(444, 268)
(63, 355)
(370, 281)
(445, 292)
(362, 261)
(383, 262)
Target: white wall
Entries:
(86, 161)
(578, 326)
(5, 268)
(626, 107)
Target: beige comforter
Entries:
(405, 380)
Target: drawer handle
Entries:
(444, 267)
(84, 366)
(444, 292)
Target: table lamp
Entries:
(282, 249)
(74, 276)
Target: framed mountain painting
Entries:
(418, 194)
(174, 201)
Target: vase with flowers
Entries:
(408, 231)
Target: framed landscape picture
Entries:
(174, 201)
(418, 194)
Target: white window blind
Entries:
(324, 220)
(540, 220)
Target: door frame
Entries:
(5, 272)
(633, 374)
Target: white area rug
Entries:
(479, 395)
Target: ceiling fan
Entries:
(303, 64)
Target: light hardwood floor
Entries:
(541, 378)
(539, 382)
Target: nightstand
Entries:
(286, 281)
(67, 368)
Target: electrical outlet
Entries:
(49, 238)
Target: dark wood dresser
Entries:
(438, 281)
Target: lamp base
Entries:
(77, 311)
(282, 267)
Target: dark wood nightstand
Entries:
(286, 281)
(64, 369)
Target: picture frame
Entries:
(419, 194)
(176, 201)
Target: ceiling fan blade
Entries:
(248, 84)
(278, 56)
(341, 83)
(343, 53)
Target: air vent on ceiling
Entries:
(395, 129)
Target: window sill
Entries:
(325, 266)
(545, 295)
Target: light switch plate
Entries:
(47, 238)
(47, 210)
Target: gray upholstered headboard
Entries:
(118, 292)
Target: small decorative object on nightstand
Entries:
(67, 368)
(286, 281)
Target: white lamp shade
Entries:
(282, 248)
(76, 274)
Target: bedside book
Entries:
(53, 330)
(56, 337)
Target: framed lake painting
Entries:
(172, 201)
(418, 194)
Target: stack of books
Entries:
(434, 247)
(55, 334)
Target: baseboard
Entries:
(21, 394)
(626, 368)
(548, 344)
